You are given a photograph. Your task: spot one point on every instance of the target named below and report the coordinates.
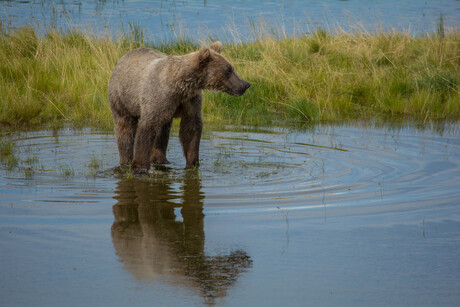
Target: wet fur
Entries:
(148, 89)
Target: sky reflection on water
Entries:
(232, 20)
(272, 217)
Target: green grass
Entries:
(349, 76)
(8, 158)
(64, 77)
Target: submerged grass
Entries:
(321, 76)
(7, 155)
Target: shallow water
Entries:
(332, 215)
(232, 20)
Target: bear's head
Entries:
(219, 75)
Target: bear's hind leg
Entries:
(160, 145)
(125, 132)
(147, 130)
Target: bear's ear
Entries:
(204, 56)
(216, 46)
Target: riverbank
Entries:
(64, 76)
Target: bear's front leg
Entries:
(190, 135)
(145, 137)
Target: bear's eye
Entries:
(229, 71)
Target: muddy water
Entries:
(333, 215)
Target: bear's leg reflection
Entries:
(151, 243)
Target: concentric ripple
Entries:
(331, 166)
(246, 170)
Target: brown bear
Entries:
(148, 89)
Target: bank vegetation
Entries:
(63, 76)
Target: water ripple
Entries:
(247, 170)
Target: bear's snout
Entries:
(242, 89)
(246, 85)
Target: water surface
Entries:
(332, 215)
(232, 20)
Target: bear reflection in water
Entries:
(151, 241)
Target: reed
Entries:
(60, 76)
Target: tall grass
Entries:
(64, 76)
(347, 76)
(56, 77)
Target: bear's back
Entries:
(138, 59)
(142, 54)
(126, 81)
